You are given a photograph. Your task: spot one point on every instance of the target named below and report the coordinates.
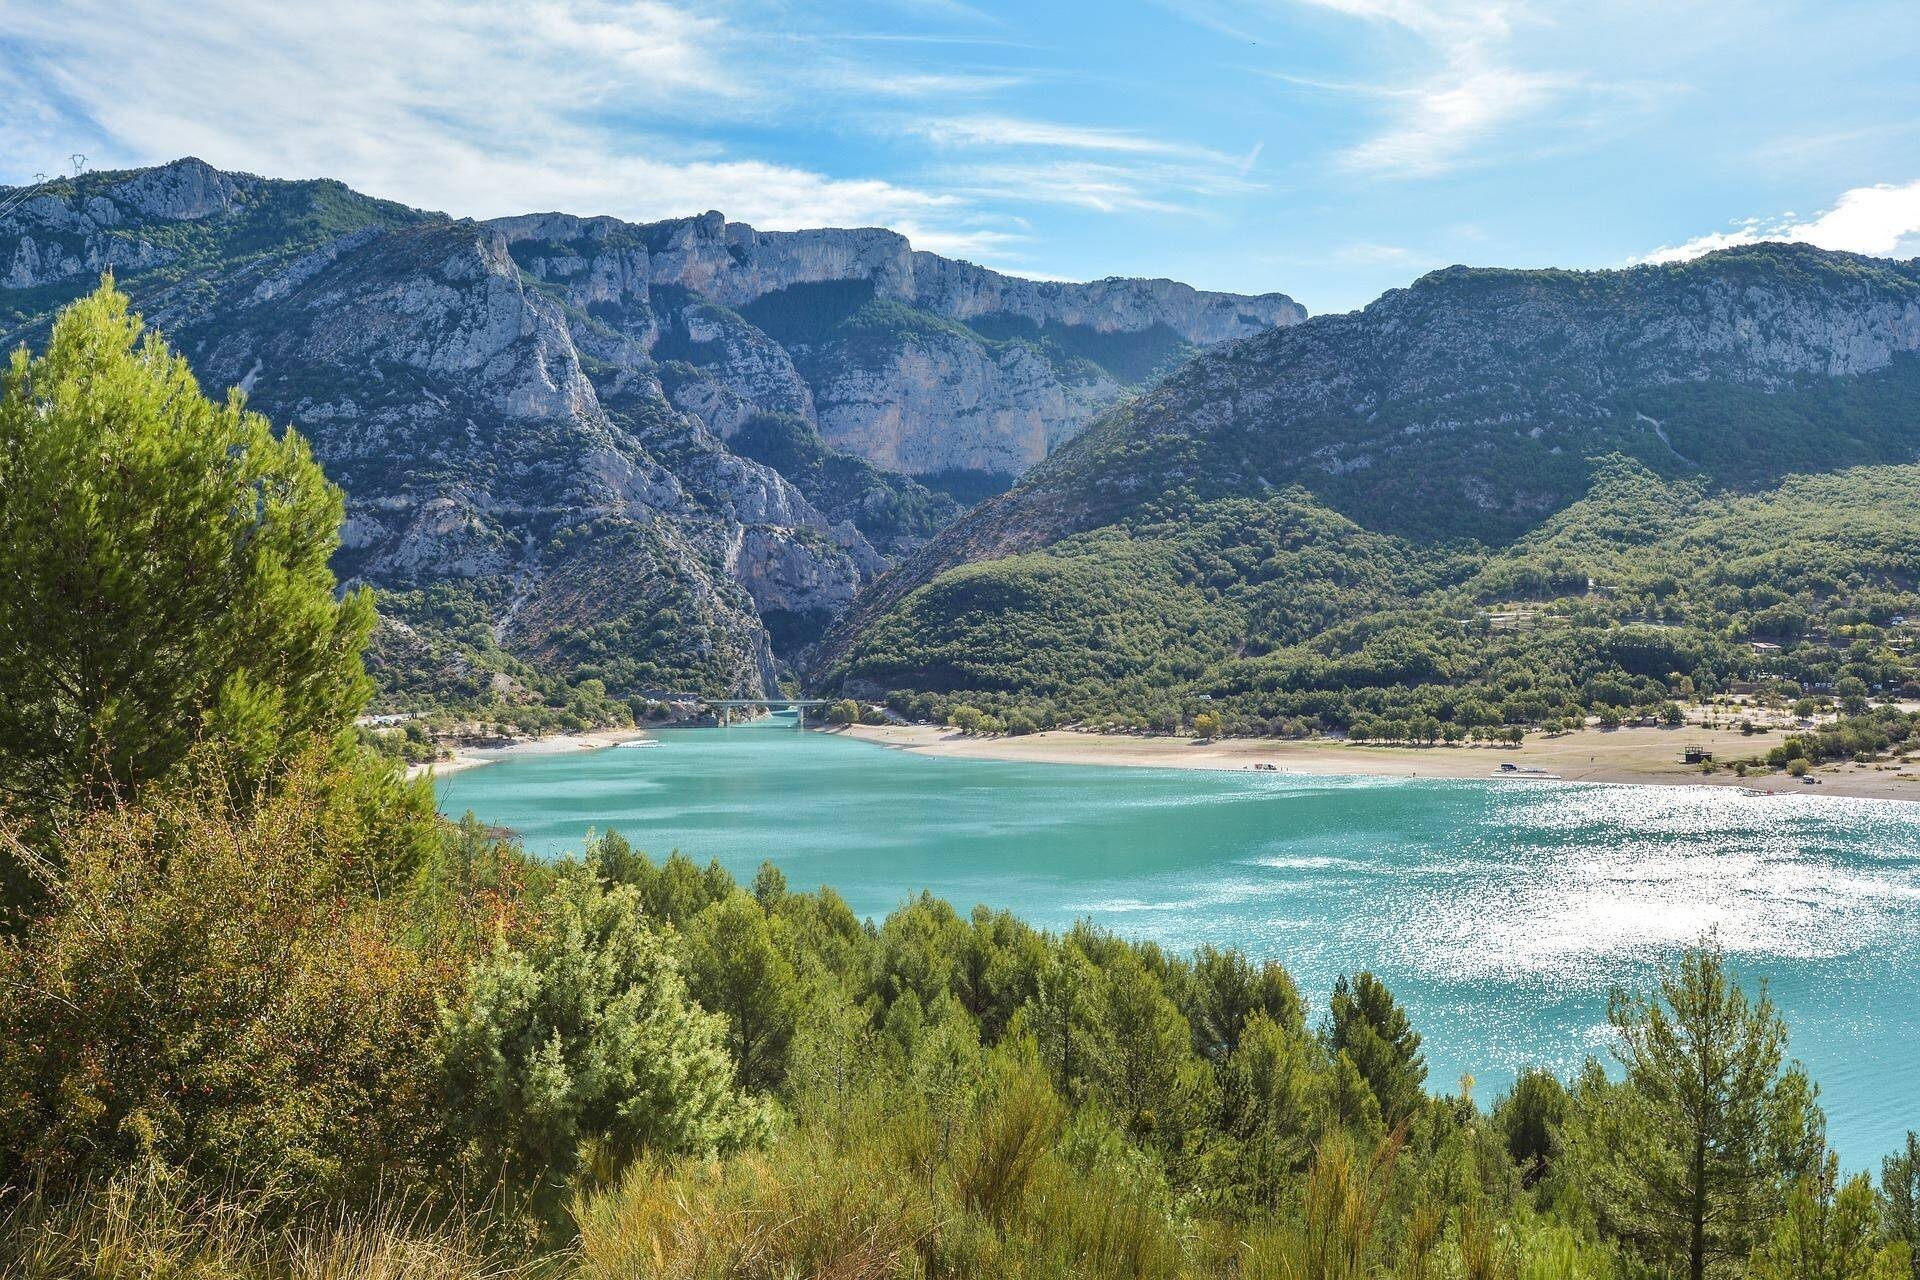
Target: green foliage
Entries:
(1227, 990)
(168, 585)
(1900, 1199)
(1281, 618)
(579, 1048)
(736, 969)
(1530, 1118)
(1511, 521)
(1692, 1154)
(1367, 1026)
(1828, 1232)
(225, 990)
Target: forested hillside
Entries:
(1496, 498)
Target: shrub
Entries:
(580, 1050)
(213, 987)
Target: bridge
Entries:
(723, 708)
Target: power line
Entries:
(20, 195)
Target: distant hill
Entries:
(1493, 497)
(578, 449)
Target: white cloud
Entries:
(477, 109)
(1099, 169)
(1883, 221)
(1437, 126)
(1368, 254)
(1472, 89)
(1103, 186)
(1005, 131)
(1446, 22)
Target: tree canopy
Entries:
(167, 583)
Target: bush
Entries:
(216, 989)
(580, 1050)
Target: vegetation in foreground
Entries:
(267, 1016)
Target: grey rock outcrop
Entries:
(531, 415)
(917, 389)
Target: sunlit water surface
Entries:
(1501, 912)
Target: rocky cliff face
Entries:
(914, 362)
(531, 416)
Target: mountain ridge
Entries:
(1452, 418)
(533, 431)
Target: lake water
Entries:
(1501, 912)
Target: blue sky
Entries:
(1329, 149)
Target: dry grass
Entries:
(131, 1231)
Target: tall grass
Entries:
(141, 1230)
(894, 1191)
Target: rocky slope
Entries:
(531, 416)
(1452, 418)
(917, 363)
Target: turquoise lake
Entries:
(1501, 912)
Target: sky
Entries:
(1328, 149)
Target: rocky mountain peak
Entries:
(656, 455)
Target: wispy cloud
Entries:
(1882, 220)
(478, 109)
(1082, 184)
(1105, 170)
(1366, 253)
(1471, 87)
(1005, 131)
(1439, 125)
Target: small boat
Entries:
(642, 742)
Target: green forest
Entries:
(266, 1014)
(1282, 617)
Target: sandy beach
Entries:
(1628, 755)
(557, 744)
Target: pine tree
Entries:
(167, 582)
(735, 969)
(1370, 1027)
(1692, 1154)
(1900, 1199)
(1827, 1233)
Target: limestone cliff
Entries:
(531, 417)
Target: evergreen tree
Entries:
(1369, 1026)
(167, 581)
(1061, 1016)
(1827, 1233)
(582, 1044)
(1226, 989)
(1529, 1117)
(734, 969)
(1271, 1107)
(1900, 1199)
(1692, 1154)
(1144, 1043)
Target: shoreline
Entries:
(553, 744)
(1639, 756)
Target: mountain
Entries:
(579, 449)
(1502, 495)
